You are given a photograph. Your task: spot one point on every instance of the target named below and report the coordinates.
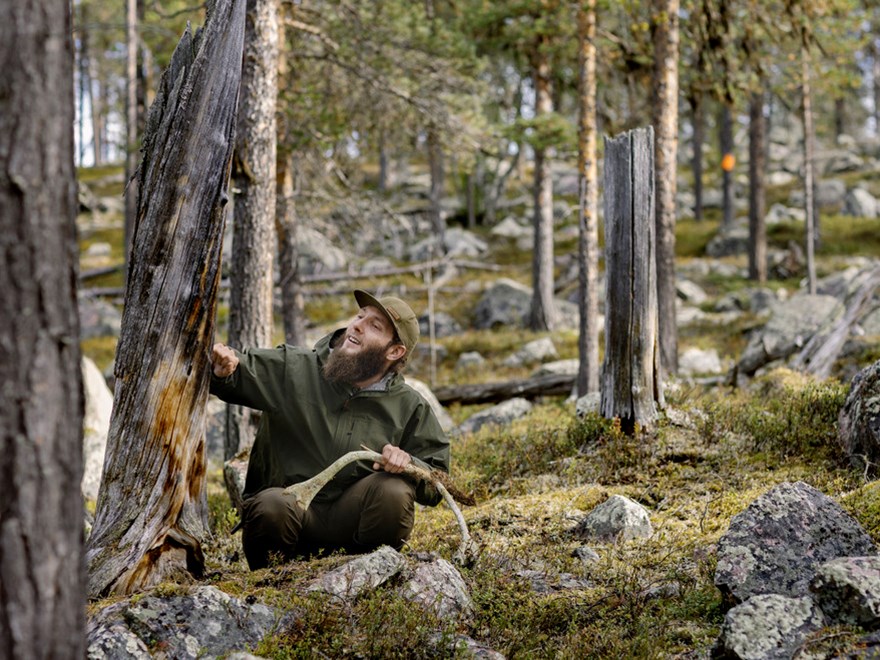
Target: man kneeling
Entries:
(318, 405)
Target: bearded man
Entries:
(318, 405)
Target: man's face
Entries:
(366, 350)
(370, 328)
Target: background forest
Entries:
(436, 149)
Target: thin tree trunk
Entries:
(96, 97)
(757, 189)
(292, 298)
(726, 143)
(435, 162)
(253, 237)
(543, 315)
(811, 224)
(666, 150)
(699, 138)
(42, 581)
(588, 223)
(131, 120)
(383, 163)
(152, 508)
(875, 69)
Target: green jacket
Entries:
(308, 422)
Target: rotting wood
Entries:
(152, 508)
(529, 388)
(819, 354)
(304, 492)
(631, 387)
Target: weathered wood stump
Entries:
(631, 384)
(152, 510)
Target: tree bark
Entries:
(435, 163)
(757, 190)
(725, 135)
(699, 137)
(543, 314)
(152, 510)
(666, 149)
(588, 222)
(292, 298)
(253, 236)
(810, 207)
(631, 382)
(42, 581)
(131, 121)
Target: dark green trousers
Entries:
(377, 510)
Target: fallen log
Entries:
(529, 388)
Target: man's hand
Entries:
(394, 459)
(224, 359)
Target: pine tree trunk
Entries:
(810, 208)
(292, 298)
(757, 188)
(152, 511)
(543, 314)
(253, 235)
(666, 149)
(725, 135)
(435, 163)
(588, 234)
(42, 581)
(131, 119)
(699, 137)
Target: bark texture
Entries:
(631, 385)
(757, 190)
(42, 577)
(152, 510)
(588, 223)
(666, 131)
(253, 234)
(543, 314)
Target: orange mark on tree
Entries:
(728, 162)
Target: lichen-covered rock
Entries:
(205, 622)
(777, 543)
(848, 590)
(768, 627)
(439, 588)
(361, 574)
(859, 420)
(499, 414)
(616, 519)
(114, 641)
(793, 323)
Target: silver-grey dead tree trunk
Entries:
(42, 581)
(757, 189)
(152, 510)
(253, 234)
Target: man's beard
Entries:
(351, 369)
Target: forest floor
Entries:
(534, 479)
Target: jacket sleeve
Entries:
(258, 382)
(427, 444)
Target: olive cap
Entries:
(398, 312)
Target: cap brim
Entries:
(364, 299)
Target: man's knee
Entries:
(389, 510)
(270, 525)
